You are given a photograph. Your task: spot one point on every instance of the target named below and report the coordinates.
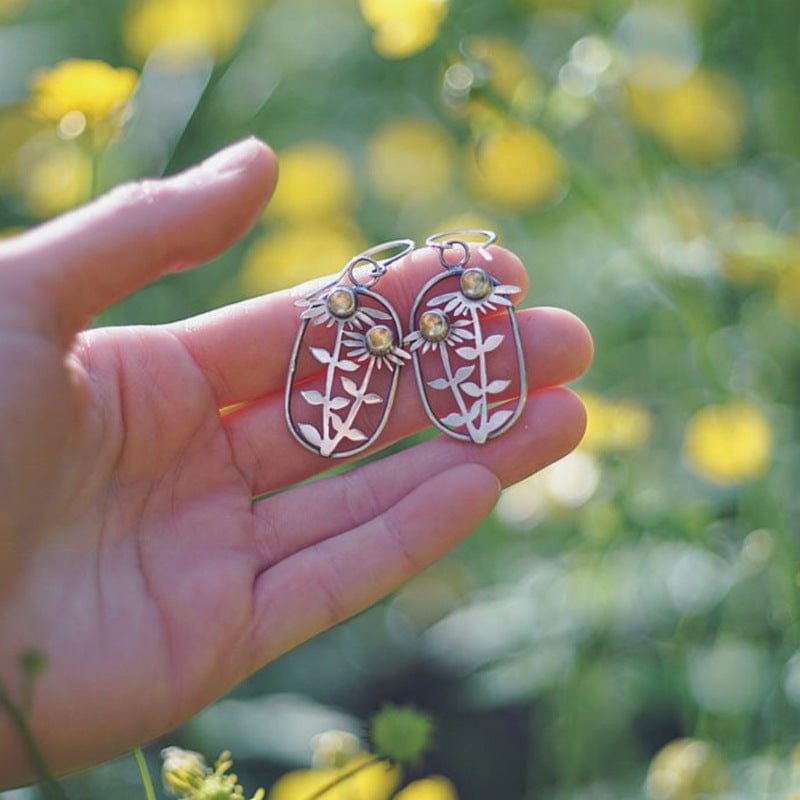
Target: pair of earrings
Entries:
(350, 348)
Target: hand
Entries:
(131, 552)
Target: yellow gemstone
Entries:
(475, 283)
(434, 326)
(342, 302)
(380, 340)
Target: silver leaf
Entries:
(372, 398)
(310, 434)
(349, 385)
(438, 383)
(467, 353)
(313, 397)
(339, 402)
(462, 373)
(495, 387)
(322, 355)
(498, 419)
(492, 343)
(471, 389)
(347, 366)
(453, 420)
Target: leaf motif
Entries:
(337, 422)
(322, 355)
(462, 373)
(310, 434)
(452, 420)
(372, 398)
(354, 435)
(349, 385)
(467, 353)
(471, 389)
(495, 387)
(439, 383)
(339, 402)
(313, 397)
(498, 419)
(475, 410)
(492, 343)
(347, 366)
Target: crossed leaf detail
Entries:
(336, 428)
(474, 416)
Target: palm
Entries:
(153, 582)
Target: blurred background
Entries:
(626, 623)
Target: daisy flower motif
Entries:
(339, 306)
(477, 291)
(377, 346)
(435, 328)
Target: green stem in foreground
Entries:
(343, 777)
(147, 781)
(50, 785)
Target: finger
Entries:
(329, 582)
(244, 349)
(557, 348)
(551, 426)
(94, 256)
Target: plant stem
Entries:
(448, 373)
(356, 407)
(476, 324)
(147, 781)
(343, 777)
(326, 448)
(51, 786)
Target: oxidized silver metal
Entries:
(449, 343)
(354, 333)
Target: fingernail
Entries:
(236, 158)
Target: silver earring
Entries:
(463, 393)
(346, 359)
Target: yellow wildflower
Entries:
(700, 118)
(8, 8)
(93, 89)
(787, 292)
(290, 255)
(729, 444)
(508, 74)
(56, 179)
(436, 787)
(411, 160)
(516, 167)
(376, 782)
(687, 769)
(754, 253)
(615, 426)
(316, 182)
(403, 27)
(182, 29)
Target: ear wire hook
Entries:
(447, 240)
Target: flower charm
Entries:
(377, 347)
(436, 329)
(340, 306)
(477, 291)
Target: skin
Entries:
(131, 551)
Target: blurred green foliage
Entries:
(643, 160)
